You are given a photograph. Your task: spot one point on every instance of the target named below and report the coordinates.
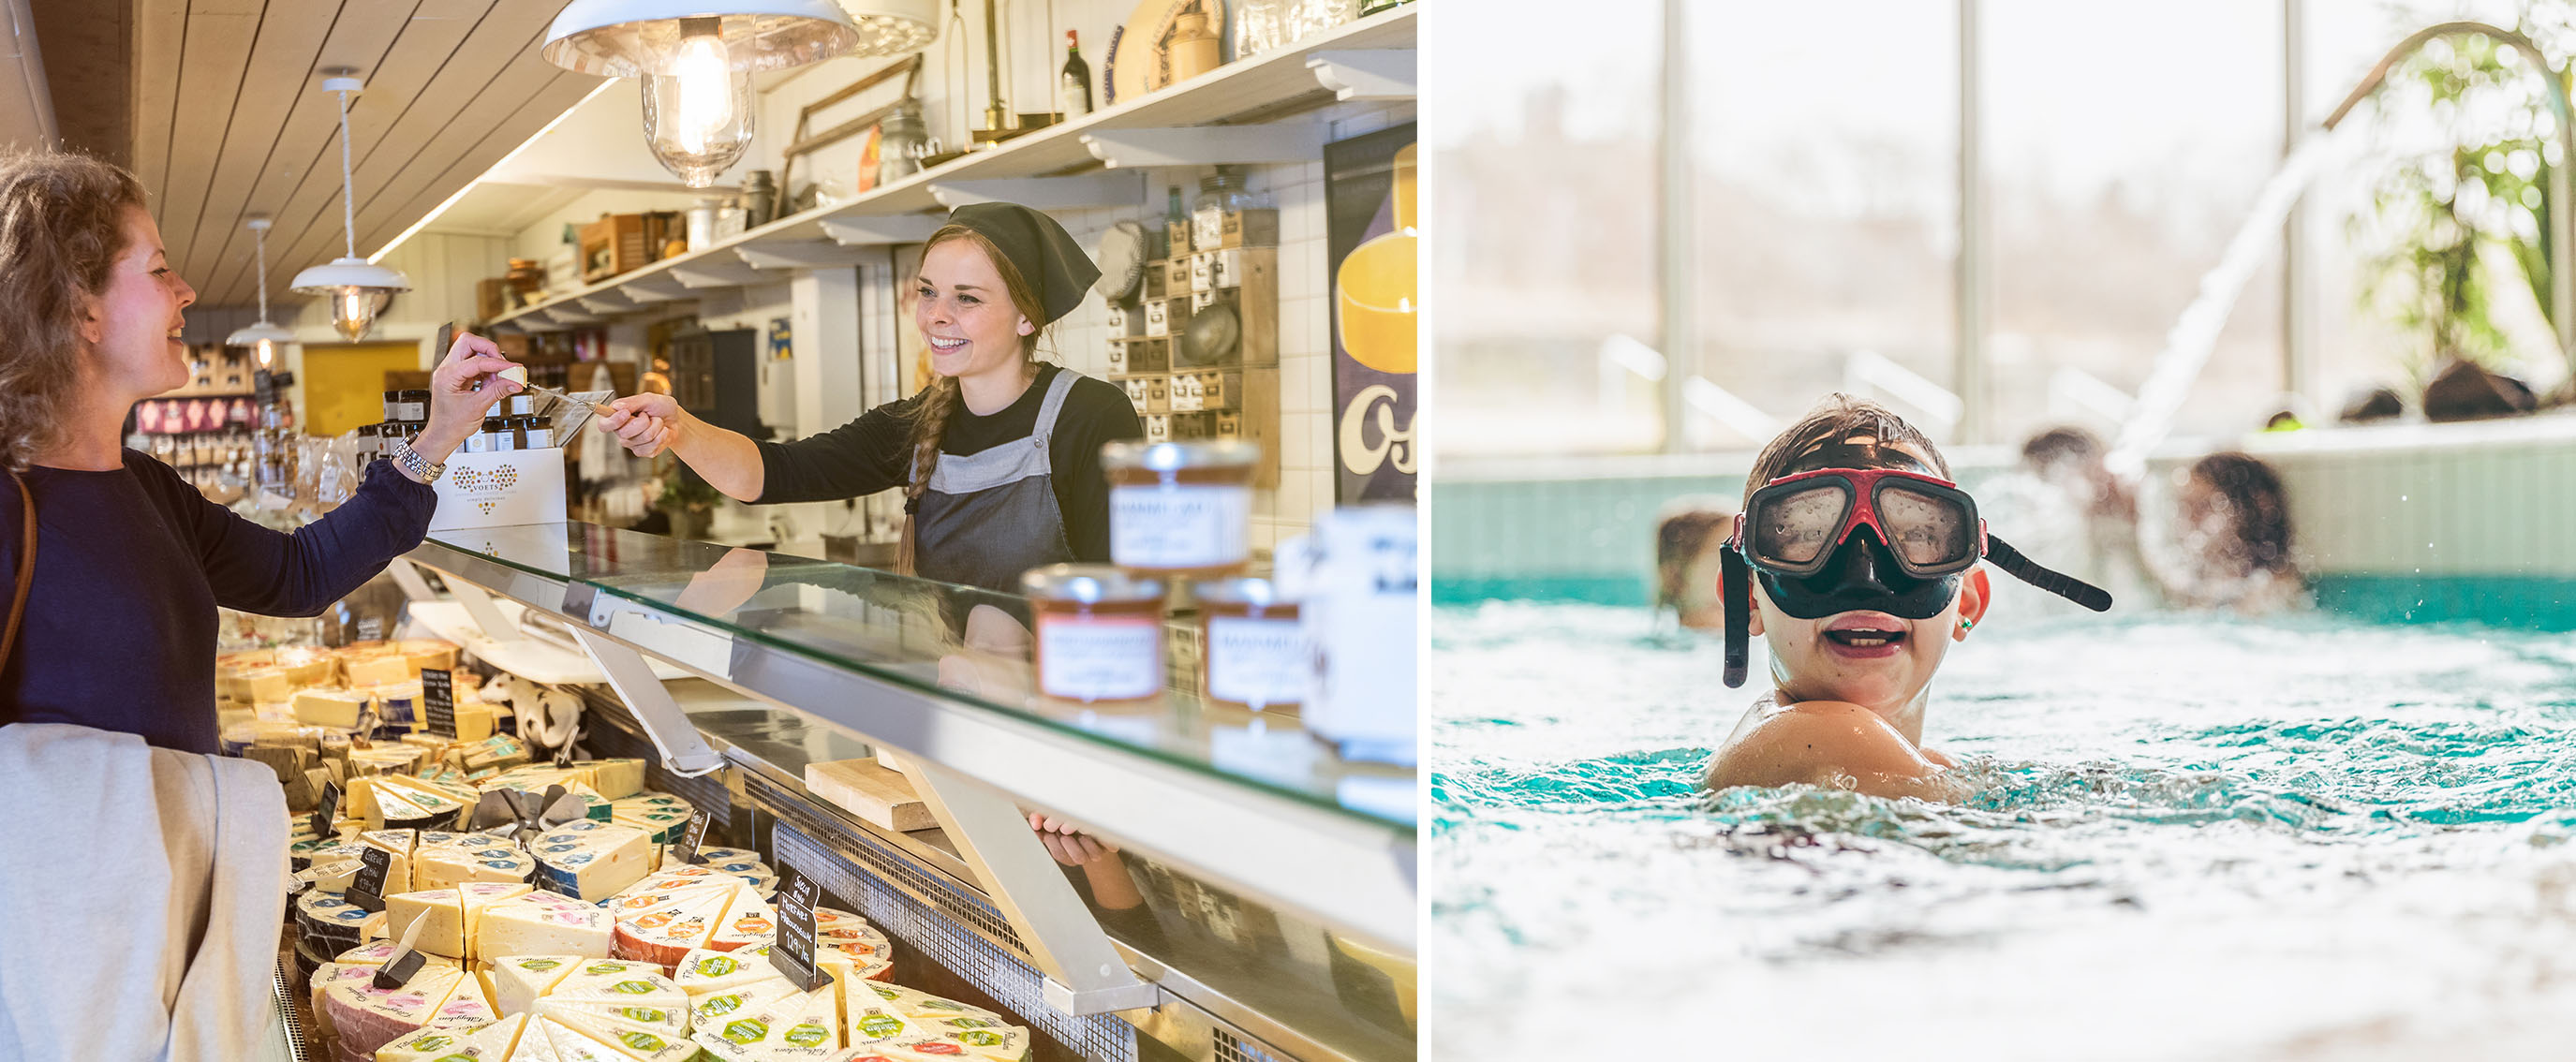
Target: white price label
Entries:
(1180, 525)
(1256, 661)
(1100, 658)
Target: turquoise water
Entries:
(2310, 838)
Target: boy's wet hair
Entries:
(1838, 417)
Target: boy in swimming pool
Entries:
(1855, 559)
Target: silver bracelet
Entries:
(420, 467)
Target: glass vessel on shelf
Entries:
(1225, 193)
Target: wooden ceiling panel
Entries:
(214, 63)
(160, 32)
(255, 177)
(486, 77)
(228, 118)
(424, 45)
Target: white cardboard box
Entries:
(500, 490)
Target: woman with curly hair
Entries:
(2233, 537)
(127, 842)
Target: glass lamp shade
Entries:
(265, 337)
(633, 38)
(358, 290)
(697, 118)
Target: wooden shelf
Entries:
(1270, 87)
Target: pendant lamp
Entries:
(696, 58)
(358, 289)
(266, 335)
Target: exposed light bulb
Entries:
(353, 311)
(702, 71)
(267, 352)
(697, 106)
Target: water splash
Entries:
(2195, 333)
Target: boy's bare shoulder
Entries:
(1817, 742)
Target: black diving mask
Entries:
(1831, 540)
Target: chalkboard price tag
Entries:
(327, 812)
(367, 889)
(793, 954)
(685, 850)
(438, 701)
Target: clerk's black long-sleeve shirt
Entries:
(872, 453)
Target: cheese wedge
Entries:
(1002, 1044)
(337, 709)
(265, 685)
(519, 980)
(714, 1008)
(491, 861)
(491, 1043)
(747, 922)
(930, 1027)
(367, 1017)
(591, 861)
(800, 1025)
(534, 1046)
(467, 1008)
(663, 1020)
(544, 923)
(378, 670)
(420, 653)
(397, 843)
(665, 934)
(476, 897)
(620, 984)
(442, 917)
(580, 1038)
(617, 779)
(323, 914)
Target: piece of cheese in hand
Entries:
(517, 374)
(543, 923)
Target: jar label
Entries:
(1100, 658)
(1256, 661)
(1180, 525)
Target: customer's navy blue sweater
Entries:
(130, 564)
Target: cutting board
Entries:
(871, 792)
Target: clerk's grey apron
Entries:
(987, 517)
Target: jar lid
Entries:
(1090, 584)
(393, 396)
(1172, 456)
(416, 395)
(496, 424)
(1242, 590)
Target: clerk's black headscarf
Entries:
(1054, 266)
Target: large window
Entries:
(1827, 210)
(1544, 268)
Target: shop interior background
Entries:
(457, 93)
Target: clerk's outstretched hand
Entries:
(642, 422)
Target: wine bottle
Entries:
(1077, 78)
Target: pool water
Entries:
(2304, 838)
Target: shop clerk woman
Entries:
(999, 457)
(141, 877)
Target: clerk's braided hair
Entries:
(939, 401)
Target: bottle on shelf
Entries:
(1076, 78)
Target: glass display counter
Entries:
(1225, 885)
